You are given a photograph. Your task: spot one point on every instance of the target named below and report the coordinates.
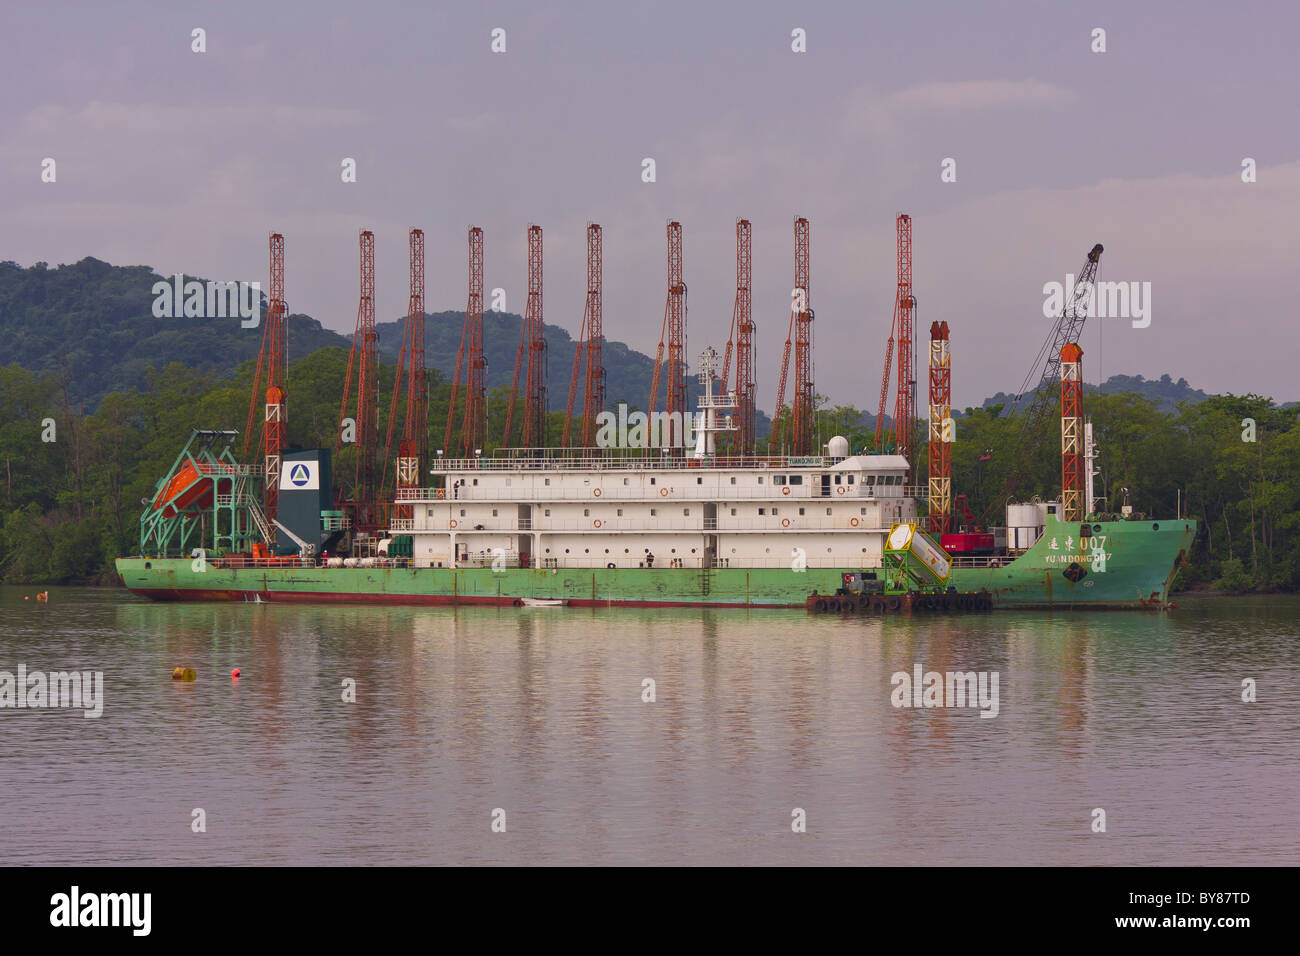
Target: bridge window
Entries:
(778, 479)
(733, 479)
(795, 479)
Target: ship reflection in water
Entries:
(538, 719)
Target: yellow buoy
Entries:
(183, 673)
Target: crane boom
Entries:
(1068, 328)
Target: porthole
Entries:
(1155, 527)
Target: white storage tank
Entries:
(1025, 524)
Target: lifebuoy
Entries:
(663, 492)
(785, 490)
(595, 523)
(853, 522)
(595, 492)
(453, 522)
(839, 490)
(785, 522)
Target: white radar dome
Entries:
(838, 447)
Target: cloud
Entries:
(872, 113)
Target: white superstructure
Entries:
(685, 512)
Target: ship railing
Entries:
(335, 523)
(421, 494)
(401, 524)
(696, 562)
(982, 561)
(234, 501)
(241, 561)
(775, 525)
(225, 468)
(596, 459)
(688, 492)
(496, 558)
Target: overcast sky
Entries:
(185, 162)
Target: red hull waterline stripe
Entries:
(315, 597)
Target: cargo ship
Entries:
(605, 527)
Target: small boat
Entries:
(543, 602)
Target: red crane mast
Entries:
(363, 360)
(531, 354)
(471, 359)
(594, 399)
(271, 360)
(1072, 461)
(803, 402)
(904, 312)
(674, 333)
(742, 321)
(414, 443)
(940, 447)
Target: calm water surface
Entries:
(540, 713)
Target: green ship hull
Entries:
(1128, 564)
